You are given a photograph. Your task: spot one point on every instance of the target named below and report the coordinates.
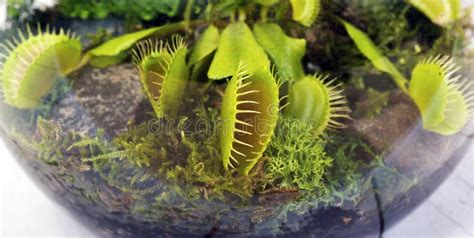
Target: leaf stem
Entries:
(242, 15)
(163, 30)
(264, 13)
(188, 13)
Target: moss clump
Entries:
(181, 157)
(297, 158)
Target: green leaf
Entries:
(237, 44)
(442, 98)
(305, 11)
(286, 52)
(429, 91)
(370, 50)
(266, 2)
(163, 73)
(30, 67)
(441, 12)
(119, 44)
(206, 44)
(249, 114)
(456, 115)
(110, 51)
(318, 103)
(106, 61)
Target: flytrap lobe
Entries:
(29, 66)
(305, 11)
(249, 114)
(163, 73)
(445, 99)
(319, 102)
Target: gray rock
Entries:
(100, 99)
(391, 125)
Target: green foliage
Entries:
(133, 10)
(341, 167)
(249, 114)
(135, 148)
(444, 99)
(266, 2)
(370, 50)
(49, 142)
(164, 74)
(441, 12)
(113, 51)
(285, 52)
(297, 158)
(25, 80)
(319, 103)
(352, 157)
(19, 9)
(237, 45)
(305, 11)
(206, 45)
(320, 168)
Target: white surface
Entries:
(3, 13)
(26, 212)
(449, 212)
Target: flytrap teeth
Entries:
(338, 105)
(163, 73)
(443, 96)
(247, 123)
(26, 59)
(329, 103)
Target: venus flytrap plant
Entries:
(285, 52)
(252, 139)
(444, 100)
(318, 102)
(368, 48)
(30, 66)
(114, 50)
(305, 11)
(441, 12)
(203, 53)
(249, 115)
(206, 45)
(163, 72)
(237, 44)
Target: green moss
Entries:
(328, 170)
(49, 142)
(181, 157)
(297, 158)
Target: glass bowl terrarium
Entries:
(262, 117)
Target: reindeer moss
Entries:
(297, 157)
